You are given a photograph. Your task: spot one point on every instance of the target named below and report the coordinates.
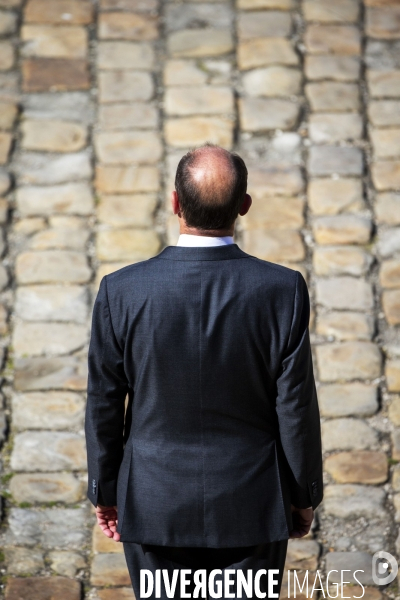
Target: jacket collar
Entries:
(230, 251)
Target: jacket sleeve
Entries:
(105, 409)
(297, 408)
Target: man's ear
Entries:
(245, 205)
(175, 203)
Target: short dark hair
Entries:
(200, 207)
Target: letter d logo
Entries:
(384, 568)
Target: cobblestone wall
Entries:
(98, 101)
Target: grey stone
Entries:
(3, 319)
(272, 180)
(347, 361)
(184, 72)
(272, 81)
(396, 478)
(218, 72)
(23, 561)
(345, 325)
(3, 210)
(332, 39)
(329, 160)
(125, 56)
(262, 24)
(48, 410)
(52, 528)
(68, 198)
(52, 266)
(383, 113)
(5, 181)
(260, 52)
(9, 86)
(333, 96)
(35, 339)
(389, 242)
(396, 502)
(140, 6)
(340, 68)
(109, 566)
(48, 451)
(345, 400)
(302, 554)
(345, 292)
(395, 438)
(8, 22)
(382, 19)
(274, 245)
(66, 563)
(373, 538)
(328, 196)
(25, 227)
(138, 115)
(325, 128)
(352, 501)
(343, 11)
(283, 149)
(341, 260)
(200, 42)
(125, 86)
(387, 208)
(43, 587)
(193, 131)
(46, 487)
(383, 84)
(66, 373)
(127, 26)
(198, 100)
(343, 543)
(342, 229)
(188, 16)
(349, 562)
(347, 434)
(263, 114)
(392, 372)
(60, 238)
(385, 142)
(52, 303)
(130, 245)
(382, 55)
(127, 147)
(35, 168)
(127, 210)
(64, 106)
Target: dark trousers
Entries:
(264, 556)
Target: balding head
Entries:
(211, 184)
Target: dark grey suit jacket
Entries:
(222, 429)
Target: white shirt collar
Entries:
(186, 239)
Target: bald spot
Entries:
(213, 174)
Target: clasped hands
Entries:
(107, 518)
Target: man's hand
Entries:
(107, 518)
(302, 520)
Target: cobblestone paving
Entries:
(98, 101)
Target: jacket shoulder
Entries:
(274, 271)
(118, 277)
(257, 270)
